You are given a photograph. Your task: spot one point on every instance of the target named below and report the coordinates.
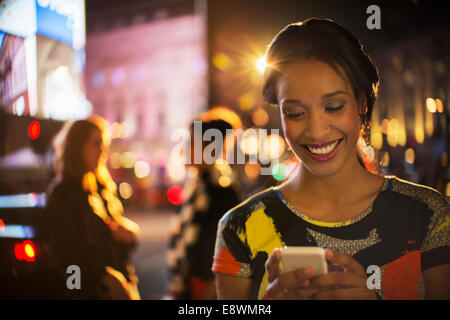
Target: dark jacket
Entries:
(77, 236)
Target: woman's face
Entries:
(320, 116)
(93, 150)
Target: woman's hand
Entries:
(122, 233)
(294, 285)
(116, 285)
(351, 284)
(303, 284)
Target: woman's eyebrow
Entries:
(293, 101)
(327, 95)
(331, 94)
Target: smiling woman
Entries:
(325, 85)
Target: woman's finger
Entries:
(338, 279)
(296, 278)
(290, 281)
(345, 260)
(273, 265)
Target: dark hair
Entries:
(218, 124)
(326, 41)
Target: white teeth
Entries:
(323, 150)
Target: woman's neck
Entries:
(338, 189)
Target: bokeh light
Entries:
(275, 146)
(431, 105)
(127, 160)
(439, 105)
(280, 172)
(260, 117)
(224, 181)
(175, 195)
(444, 159)
(410, 155)
(249, 142)
(34, 129)
(116, 130)
(141, 169)
(252, 170)
(221, 61)
(261, 65)
(114, 160)
(247, 101)
(125, 190)
(385, 159)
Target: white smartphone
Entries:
(293, 258)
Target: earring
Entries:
(367, 151)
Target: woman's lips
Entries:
(324, 151)
(320, 145)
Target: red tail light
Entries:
(25, 251)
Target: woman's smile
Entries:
(324, 151)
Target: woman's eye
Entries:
(334, 108)
(293, 115)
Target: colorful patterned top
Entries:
(404, 232)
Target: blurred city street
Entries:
(150, 257)
(146, 108)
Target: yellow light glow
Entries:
(261, 65)
(125, 190)
(447, 190)
(376, 135)
(439, 105)
(420, 134)
(260, 117)
(393, 133)
(410, 155)
(419, 130)
(385, 126)
(116, 130)
(431, 105)
(224, 181)
(29, 251)
(114, 160)
(141, 169)
(247, 101)
(444, 159)
(376, 139)
(252, 170)
(249, 144)
(275, 146)
(223, 167)
(385, 160)
(221, 61)
(127, 160)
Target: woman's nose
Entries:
(317, 126)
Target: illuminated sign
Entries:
(62, 20)
(18, 17)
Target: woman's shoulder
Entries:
(64, 192)
(240, 213)
(411, 191)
